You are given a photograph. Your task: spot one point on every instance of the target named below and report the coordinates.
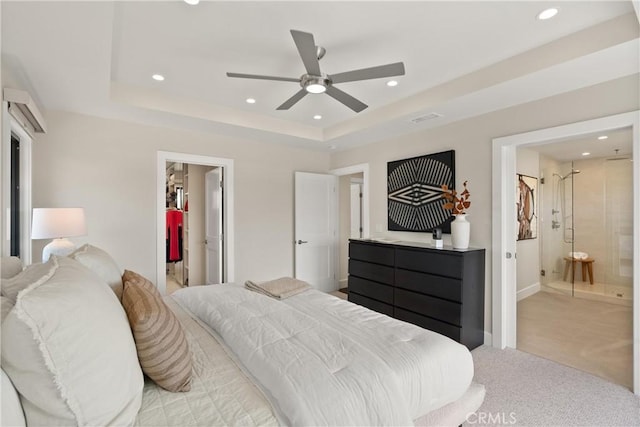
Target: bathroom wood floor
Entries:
(592, 336)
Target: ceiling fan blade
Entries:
(291, 101)
(395, 69)
(307, 50)
(346, 99)
(255, 76)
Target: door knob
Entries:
(302, 241)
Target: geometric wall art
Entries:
(414, 192)
(526, 200)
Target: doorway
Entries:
(576, 270)
(197, 192)
(504, 319)
(349, 220)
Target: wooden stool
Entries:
(587, 266)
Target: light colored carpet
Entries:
(526, 390)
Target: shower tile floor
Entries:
(612, 294)
(589, 335)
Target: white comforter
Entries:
(327, 361)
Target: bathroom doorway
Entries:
(577, 308)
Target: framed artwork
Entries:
(526, 200)
(414, 192)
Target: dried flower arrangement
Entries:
(458, 205)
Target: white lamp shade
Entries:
(53, 223)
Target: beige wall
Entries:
(109, 168)
(528, 251)
(471, 139)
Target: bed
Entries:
(309, 359)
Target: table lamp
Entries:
(57, 224)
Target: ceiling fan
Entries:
(315, 81)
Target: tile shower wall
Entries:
(603, 219)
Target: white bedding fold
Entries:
(316, 374)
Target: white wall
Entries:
(528, 251)
(109, 168)
(471, 139)
(344, 206)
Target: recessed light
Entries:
(317, 117)
(603, 137)
(392, 83)
(586, 153)
(548, 13)
(158, 77)
(251, 101)
(192, 2)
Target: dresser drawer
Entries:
(436, 308)
(371, 289)
(375, 272)
(371, 253)
(371, 304)
(438, 286)
(442, 264)
(434, 325)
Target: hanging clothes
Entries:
(174, 235)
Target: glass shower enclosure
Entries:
(587, 240)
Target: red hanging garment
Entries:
(174, 235)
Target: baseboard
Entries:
(342, 283)
(488, 338)
(528, 291)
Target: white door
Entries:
(315, 230)
(356, 211)
(213, 226)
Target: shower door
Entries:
(558, 234)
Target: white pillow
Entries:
(5, 308)
(11, 413)
(68, 349)
(10, 266)
(101, 263)
(33, 272)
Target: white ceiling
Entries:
(618, 143)
(461, 58)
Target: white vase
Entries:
(460, 231)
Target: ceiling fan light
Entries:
(315, 88)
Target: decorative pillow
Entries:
(6, 307)
(140, 280)
(11, 287)
(162, 346)
(11, 265)
(68, 350)
(101, 263)
(11, 413)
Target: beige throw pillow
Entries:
(68, 349)
(101, 263)
(162, 346)
(140, 280)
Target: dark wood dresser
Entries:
(437, 289)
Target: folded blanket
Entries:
(281, 288)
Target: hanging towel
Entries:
(174, 235)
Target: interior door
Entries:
(315, 230)
(213, 226)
